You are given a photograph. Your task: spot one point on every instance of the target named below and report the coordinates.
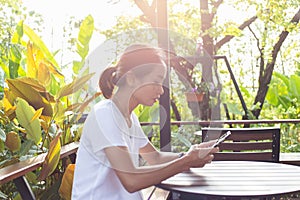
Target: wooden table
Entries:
(236, 179)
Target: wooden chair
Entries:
(252, 144)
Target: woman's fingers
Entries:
(207, 144)
(203, 152)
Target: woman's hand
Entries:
(201, 154)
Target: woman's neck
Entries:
(125, 104)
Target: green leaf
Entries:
(14, 60)
(24, 114)
(13, 69)
(52, 158)
(31, 177)
(285, 101)
(3, 196)
(144, 114)
(282, 77)
(85, 33)
(182, 139)
(18, 34)
(233, 108)
(2, 135)
(272, 95)
(82, 50)
(15, 53)
(2, 146)
(25, 147)
(73, 87)
(295, 86)
(77, 66)
(86, 30)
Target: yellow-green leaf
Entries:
(44, 74)
(31, 66)
(73, 87)
(52, 158)
(39, 42)
(18, 33)
(86, 30)
(37, 114)
(25, 114)
(26, 89)
(53, 70)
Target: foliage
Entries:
(284, 98)
(249, 47)
(65, 190)
(39, 105)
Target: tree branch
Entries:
(149, 11)
(263, 86)
(215, 6)
(229, 37)
(261, 57)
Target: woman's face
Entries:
(149, 87)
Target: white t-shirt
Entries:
(105, 126)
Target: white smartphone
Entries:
(221, 139)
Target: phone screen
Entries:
(221, 139)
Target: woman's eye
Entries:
(157, 83)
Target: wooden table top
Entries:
(237, 179)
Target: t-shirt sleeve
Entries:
(104, 129)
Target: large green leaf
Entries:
(25, 114)
(77, 66)
(86, 30)
(234, 109)
(82, 50)
(18, 34)
(295, 86)
(51, 159)
(73, 87)
(285, 101)
(29, 90)
(282, 77)
(272, 95)
(84, 36)
(39, 42)
(15, 56)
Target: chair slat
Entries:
(261, 144)
(242, 156)
(239, 146)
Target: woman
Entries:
(107, 165)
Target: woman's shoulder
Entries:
(106, 109)
(103, 105)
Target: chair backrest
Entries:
(252, 144)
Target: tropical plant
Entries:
(39, 110)
(283, 98)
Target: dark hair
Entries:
(134, 55)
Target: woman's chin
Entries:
(149, 103)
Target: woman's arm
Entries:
(153, 156)
(136, 178)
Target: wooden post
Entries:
(163, 42)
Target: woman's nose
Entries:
(160, 90)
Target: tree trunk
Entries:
(266, 75)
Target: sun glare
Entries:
(56, 14)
